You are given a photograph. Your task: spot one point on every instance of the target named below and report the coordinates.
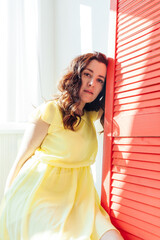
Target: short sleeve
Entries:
(45, 112)
(94, 115)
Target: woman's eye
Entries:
(100, 80)
(87, 75)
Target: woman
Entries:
(50, 192)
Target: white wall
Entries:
(10, 139)
(68, 30)
(61, 33)
(46, 48)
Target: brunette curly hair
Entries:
(69, 87)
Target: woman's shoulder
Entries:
(50, 105)
(93, 115)
(46, 111)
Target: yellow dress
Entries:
(53, 197)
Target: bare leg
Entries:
(112, 235)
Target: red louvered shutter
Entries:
(131, 165)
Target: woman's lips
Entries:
(87, 91)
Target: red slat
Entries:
(137, 180)
(134, 125)
(138, 92)
(145, 82)
(142, 77)
(138, 105)
(144, 234)
(137, 11)
(149, 39)
(136, 172)
(148, 61)
(136, 197)
(132, 6)
(140, 71)
(146, 28)
(133, 22)
(139, 54)
(129, 236)
(141, 165)
(140, 25)
(124, 5)
(136, 205)
(122, 86)
(137, 156)
(139, 215)
(138, 189)
(137, 148)
(140, 34)
(138, 112)
(140, 141)
(142, 98)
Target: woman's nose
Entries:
(91, 82)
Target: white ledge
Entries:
(12, 128)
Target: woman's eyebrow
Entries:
(89, 70)
(101, 76)
(92, 72)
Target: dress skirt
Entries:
(47, 202)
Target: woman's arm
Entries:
(32, 139)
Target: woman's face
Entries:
(92, 78)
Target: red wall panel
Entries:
(131, 165)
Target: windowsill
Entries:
(11, 127)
